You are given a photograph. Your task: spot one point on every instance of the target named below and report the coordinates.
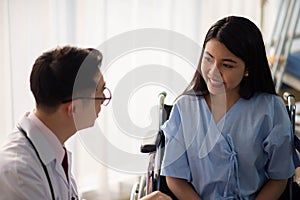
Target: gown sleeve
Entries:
(280, 158)
(175, 162)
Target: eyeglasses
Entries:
(105, 100)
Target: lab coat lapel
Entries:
(59, 169)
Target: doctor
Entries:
(69, 90)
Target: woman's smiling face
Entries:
(221, 69)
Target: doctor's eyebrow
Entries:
(225, 59)
(101, 87)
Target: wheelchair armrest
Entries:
(148, 148)
(151, 147)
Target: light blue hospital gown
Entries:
(234, 158)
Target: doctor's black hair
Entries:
(244, 39)
(55, 73)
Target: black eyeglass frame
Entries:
(92, 98)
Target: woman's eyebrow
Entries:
(229, 60)
(225, 59)
(206, 52)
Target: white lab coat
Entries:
(21, 173)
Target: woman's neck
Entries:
(220, 104)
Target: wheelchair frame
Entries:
(292, 190)
(153, 181)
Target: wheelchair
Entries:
(153, 181)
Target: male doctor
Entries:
(69, 90)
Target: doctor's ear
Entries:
(71, 108)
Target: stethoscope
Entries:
(43, 165)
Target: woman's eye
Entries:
(208, 59)
(227, 66)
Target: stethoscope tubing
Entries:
(38, 155)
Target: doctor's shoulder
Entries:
(17, 158)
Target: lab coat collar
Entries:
(38, 139)
(44, 148)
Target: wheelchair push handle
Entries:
(161, 98)
(289, 98)
(152, 147)
(291, 106)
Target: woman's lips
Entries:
(216, 83)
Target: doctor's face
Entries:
(88, 109)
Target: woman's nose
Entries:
(215, 70)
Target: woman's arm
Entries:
(182, 189)
(272, 190)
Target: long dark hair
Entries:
(243, 38)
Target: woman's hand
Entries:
(157, 195)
